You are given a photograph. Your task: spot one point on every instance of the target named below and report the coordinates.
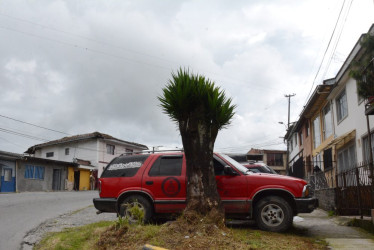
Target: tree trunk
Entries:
(198, 141)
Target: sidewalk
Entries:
(334, 230)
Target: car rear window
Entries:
(124, 166)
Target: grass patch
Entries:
(84, 237)
(178, 234)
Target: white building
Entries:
(92, 151)
(349, 120)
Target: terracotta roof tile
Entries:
(80, 137)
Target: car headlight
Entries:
(306, 191)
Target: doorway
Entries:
(56, 182)
(77, 175)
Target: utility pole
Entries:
(288, 127)
(289, 104)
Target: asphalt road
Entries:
(21, 212)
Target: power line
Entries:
(337, 40)
(38, 126)
(84, 48)
(22, 135)
(109, 45)
(84, 37)
(15, 144)
(328, 45)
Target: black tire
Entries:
(136, 201)
(273, 213)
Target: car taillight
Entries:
(99, 187)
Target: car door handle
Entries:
(149, 183)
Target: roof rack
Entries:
(151, 151)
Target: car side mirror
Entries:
(229, 171)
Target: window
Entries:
(365, 147)
(295, 137)
(316, 132)
(124, 166)
(317, 162)
(49, 154)
(275, 159)
(110, 149)
(307, 129)
(67, 151)
(291, 144)
(327, 122)
(341, 106)
(34, 172)
(219, 168)
(327, 158)
(346, 158)
(7, 174)
(167, 166)
(301, 138)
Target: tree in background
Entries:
(362, 70)
(200, 110)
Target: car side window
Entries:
(218, 168)
(167, 166)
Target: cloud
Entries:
(84, 66)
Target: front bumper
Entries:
(108, 205)
(306, 205)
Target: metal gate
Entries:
(354, 191)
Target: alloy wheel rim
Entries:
(272, 215)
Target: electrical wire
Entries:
(324, 55)
(38, 126)
(23, 135)
(337, 40)
(112, 55)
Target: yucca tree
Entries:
(200, 109)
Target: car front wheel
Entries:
(273, 214)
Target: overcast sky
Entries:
(84, 66)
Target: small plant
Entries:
(331, 213)
(134, 213)
(121, 222)
(257, 234)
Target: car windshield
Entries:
(269, 169)
(236, 164)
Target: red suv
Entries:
(156, 184)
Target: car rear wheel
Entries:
(136, 209)
(273, 214)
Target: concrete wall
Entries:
(31, 185)
(326, 199)
(85, 150)
(93, 150)
(104, 158)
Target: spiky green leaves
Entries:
(363, 69)
(187, 93)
